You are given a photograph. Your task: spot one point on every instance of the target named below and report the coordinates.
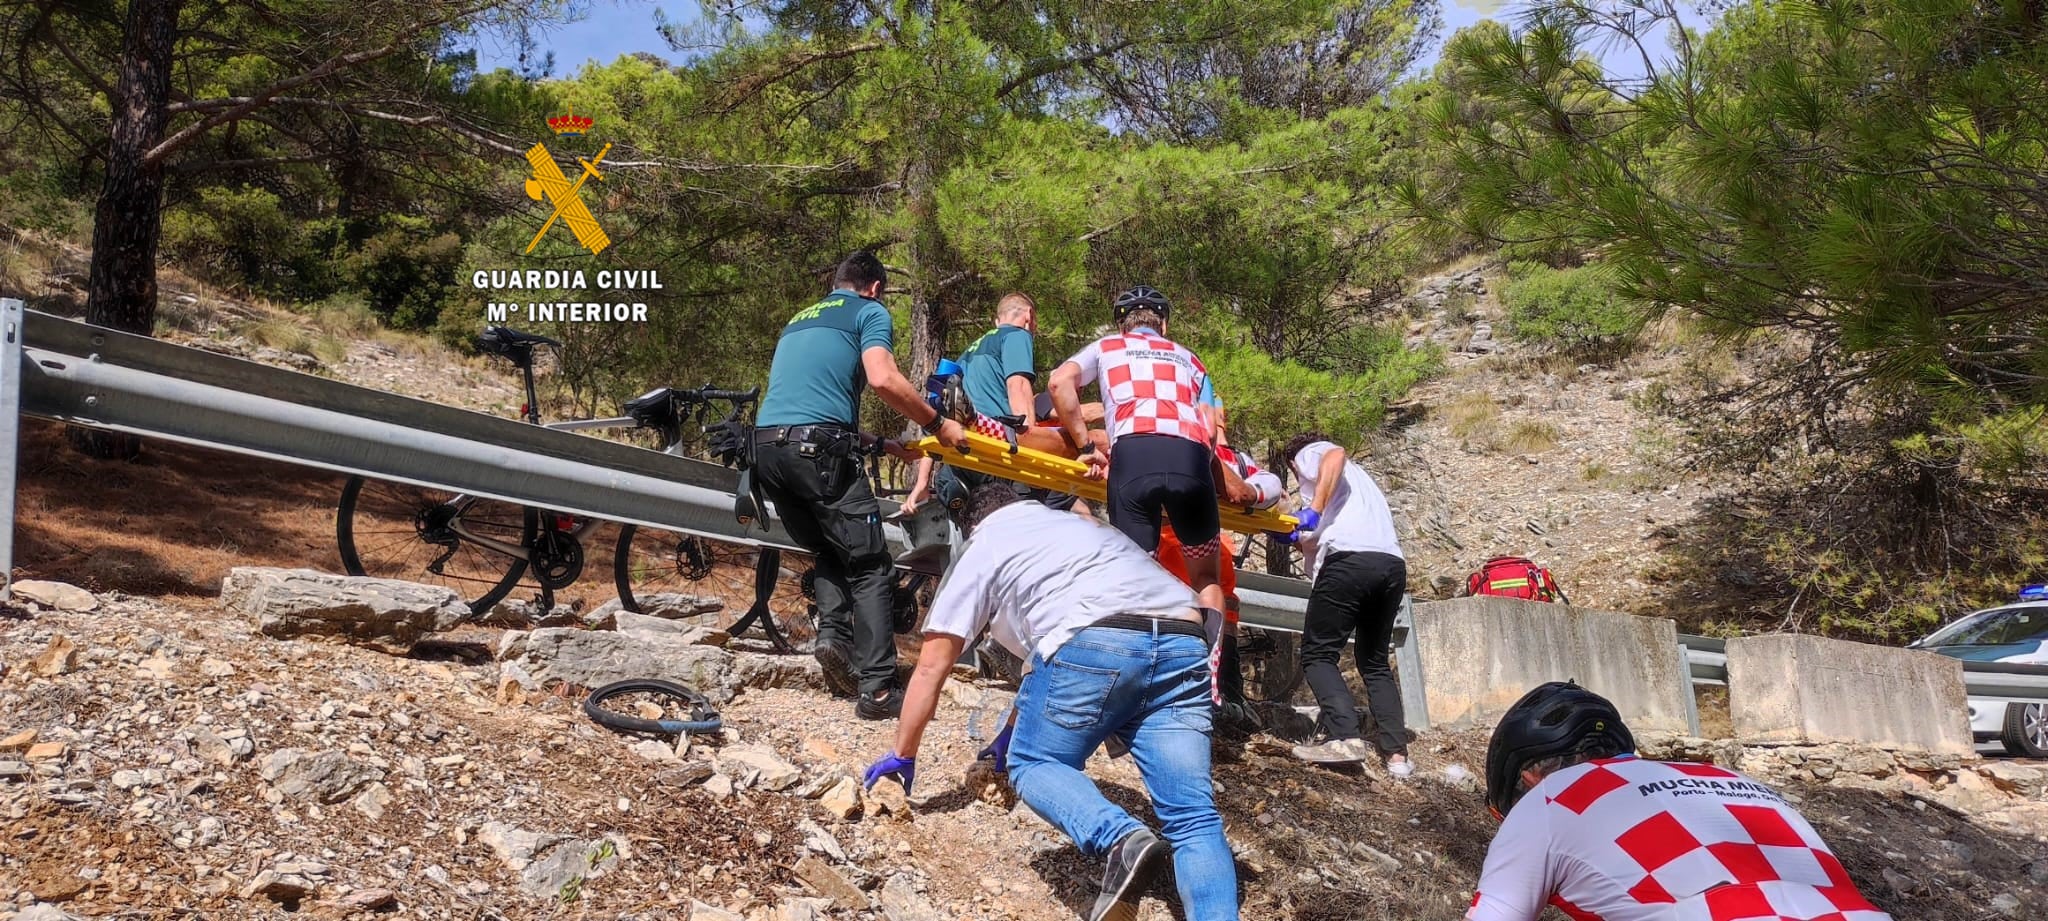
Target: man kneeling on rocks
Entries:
(1113, 647)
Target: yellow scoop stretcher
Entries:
(995, 457)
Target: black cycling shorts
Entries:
(1151, 476)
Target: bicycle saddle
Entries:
(510, 343)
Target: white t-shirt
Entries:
(1043, 576)
(1357, 519)
(1626, 839)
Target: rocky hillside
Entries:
(1514, 452)
(236, 760)
(171, 750)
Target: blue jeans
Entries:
(1153, 692)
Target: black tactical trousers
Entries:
(823, 499)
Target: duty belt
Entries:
(819, 433)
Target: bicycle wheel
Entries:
(1271, 662)
(396, 531)
(663, 569)
(651, 705)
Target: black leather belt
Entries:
(819, 433)
(1143, 624)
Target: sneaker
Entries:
(838, 669)
(1334, 751)
(886, 706)
(1402, 769)
(1131, 865)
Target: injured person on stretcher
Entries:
(1240, 483)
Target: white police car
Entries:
(2014, 633)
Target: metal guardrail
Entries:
(86, 375)
(91, 376)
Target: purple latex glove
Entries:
(998, 751)
(903, 769)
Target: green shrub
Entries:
(234, 235)
(1568, 310)
(1271, 401)
(407, 272)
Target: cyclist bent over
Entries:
(1602, 834)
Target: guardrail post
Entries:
(1692, 704)
(10, 434)
(1408, 666)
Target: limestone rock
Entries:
(702, 911)
(770, 772)
(672, 605)
(842, 798)
(515, 846)
(374, 799)
(58, 658)
(569, 863)
(2007, 775)
(593, 658)
(633, 624)
(369, 899)
(287, 888)
(888, 798)
(384, 614)
(688, 773)
(760, 670)
(62, 596)
(827, 881)
(323, 777)
(902, 902)
(219, 750)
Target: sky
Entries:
(617, 27)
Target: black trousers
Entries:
(822, 496)
(1356, 597)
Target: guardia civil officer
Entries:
(809, 462)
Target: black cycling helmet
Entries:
(1559, 718)
(1142, 297)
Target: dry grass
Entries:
(280, 333)
(1532, 436)
(1594, 472)
(1473, 414)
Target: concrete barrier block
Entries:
(1479, 655)
(1797, 688)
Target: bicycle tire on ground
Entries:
(377, 529)
(703, 717)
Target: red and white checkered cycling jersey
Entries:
(1625, 839)
(1150, 385)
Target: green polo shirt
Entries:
(816, 375)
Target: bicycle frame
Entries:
(582, 527)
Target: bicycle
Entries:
(483, 547)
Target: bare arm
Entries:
(897, 393)
(921, 699)
(1020, 399)
(1328, 475)
(1065, 388)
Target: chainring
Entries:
(557, 559)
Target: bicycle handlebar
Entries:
(706, 394)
